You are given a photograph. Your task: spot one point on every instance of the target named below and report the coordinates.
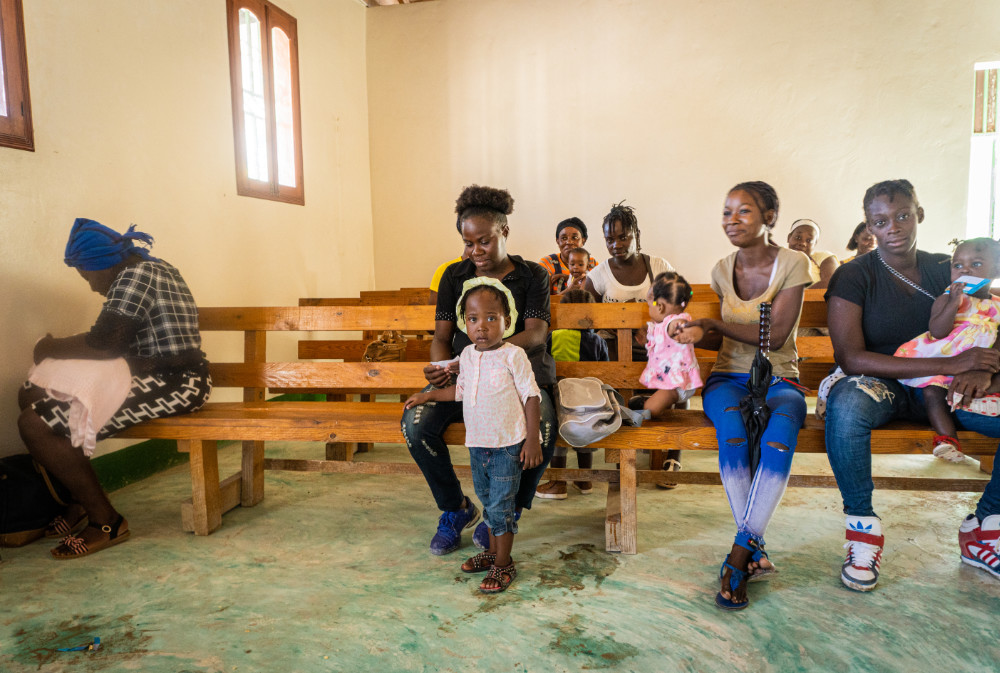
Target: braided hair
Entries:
(489, 202)
(626, 216)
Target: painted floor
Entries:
(332, 573)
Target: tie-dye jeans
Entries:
(753, 498)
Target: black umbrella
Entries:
(753, 407)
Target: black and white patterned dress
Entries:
(149, 317)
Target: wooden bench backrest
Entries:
(255, 373)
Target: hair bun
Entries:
(489, 198)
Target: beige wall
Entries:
(576, 104)
(133, 123)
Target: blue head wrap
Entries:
(94, 247)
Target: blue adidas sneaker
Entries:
(481, 537)
(450, 526)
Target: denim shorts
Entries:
(496, 475)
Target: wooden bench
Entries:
(256, 420)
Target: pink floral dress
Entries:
(672, 365)
(975, 326)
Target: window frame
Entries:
(16, 130)
(270, 16)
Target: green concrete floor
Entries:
(332, 573)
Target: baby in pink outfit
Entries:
(672, 369)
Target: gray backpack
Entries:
(589, 410)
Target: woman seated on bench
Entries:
(875, 303)
(150, 319)
(759, 271)
(482, 222)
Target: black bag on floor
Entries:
(29, 500)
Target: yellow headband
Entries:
(492, 282)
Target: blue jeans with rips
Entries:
(496, 476)
(753, 498)
(856, 406)
(989, 504)
(423, 428)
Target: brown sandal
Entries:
(76, 547)
(479, 563)
(61, 526)
(503, 575)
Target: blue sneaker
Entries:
(481, 537)
(449, 533)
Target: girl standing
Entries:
(758, 271)
(500, 402)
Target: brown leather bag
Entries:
(390, 346)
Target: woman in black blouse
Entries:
(482, 222)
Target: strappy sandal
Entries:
(76, 547)
(759, 554)
(61, 527)
(503, 576)
(669, 465)
(479, 563)
(761, 573)
(737, 577)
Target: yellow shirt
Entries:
(436, 278)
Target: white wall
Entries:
(133, 123)
(576, 104)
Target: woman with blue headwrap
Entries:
(150, 319)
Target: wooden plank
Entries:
(421, 318)
(417, 350)
(229, 491)
(205, 495)
(628, 533)
(613, 519)
(252, 469)
(986, 464)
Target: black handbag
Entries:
(29, 500)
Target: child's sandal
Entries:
(948, 448)
(503, 577)
(479, 563)
(76, 547)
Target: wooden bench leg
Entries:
(656, 459)
(252, 479)
(340, 451)
(205, 494)
(629, 486)
(986, 464)
(620, 523)
(365, 447)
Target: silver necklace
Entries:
(900, 276)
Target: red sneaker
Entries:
(864, 552)
(980, 543)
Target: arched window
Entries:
(264, 70)
(15, 104)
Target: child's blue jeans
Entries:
(496, 476)
(753, 498)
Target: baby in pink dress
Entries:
(958, 323)
(672, 369)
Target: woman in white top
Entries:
(627, 277)
(803, 236)
(629, 273)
